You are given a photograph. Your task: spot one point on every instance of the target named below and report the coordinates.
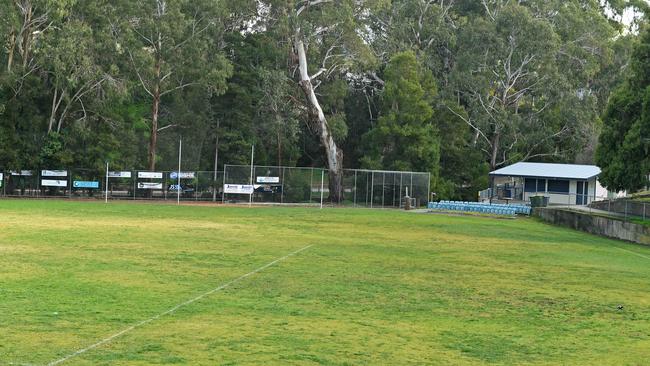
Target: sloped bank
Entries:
(594, 224)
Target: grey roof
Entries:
(547, 170)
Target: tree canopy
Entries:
(454, 87)
(624, 146)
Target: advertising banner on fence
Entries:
(54, 183)
(85, 184)
(268, 179)
(149, 185)
(54, 173)
(25, 173)
(183, 175)
(2, 178)
(152, 175)
(183, 188)
(119, 174)
(238, 188)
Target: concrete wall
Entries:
(598, 225)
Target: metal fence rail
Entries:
(272, 184)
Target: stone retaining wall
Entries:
(599, 225)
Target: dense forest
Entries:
(451, 87)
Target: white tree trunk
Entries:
(334, 154)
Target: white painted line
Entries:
(635, 253)
(176, 307)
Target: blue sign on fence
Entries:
(85, 184)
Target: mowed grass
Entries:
(376, 288)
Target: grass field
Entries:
(375, 288)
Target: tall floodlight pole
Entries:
(250, 199)
(178, 173)
(106, 185)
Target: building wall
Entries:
(596, 191)
(567, 199)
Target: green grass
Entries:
(377, 287)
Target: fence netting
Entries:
(270, 184)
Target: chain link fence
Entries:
(310, 186)
(269, 185)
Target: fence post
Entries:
(178, 173)
(311, 182)
(625, 210)
(250, 198)
(383, 185)
(372, 188)
(429, 187)
(643, 210)
(355, 188)
(223, 187)
(322, 187)
(106, 184)
(400, 191)
(393, 189)
(411, 185)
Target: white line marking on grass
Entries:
(176, 307)
(635, 253)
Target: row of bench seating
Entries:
(497, 209)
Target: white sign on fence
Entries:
(54, 173)
(238, 188)
(152, 175)
(182, 175)
(268, 179)
(2, 178)
(119, 174)
(54, 183)
(149, 185)
(22, 173)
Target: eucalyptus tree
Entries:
(326, 46)
(173, 45)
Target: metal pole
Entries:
(393, 189)
(383, 185)
(223, 193)
(216, 166)
(311, 182)
(322, 186)
(372, 188)
(366, 194)
(625, 209)
(282, 186)
(411, 185)
(429, 187)
(250, 199)
(355, 188)
(178, 173)
(106, 185)
(400, 190)
(70, 184)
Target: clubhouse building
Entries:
(562, 184)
